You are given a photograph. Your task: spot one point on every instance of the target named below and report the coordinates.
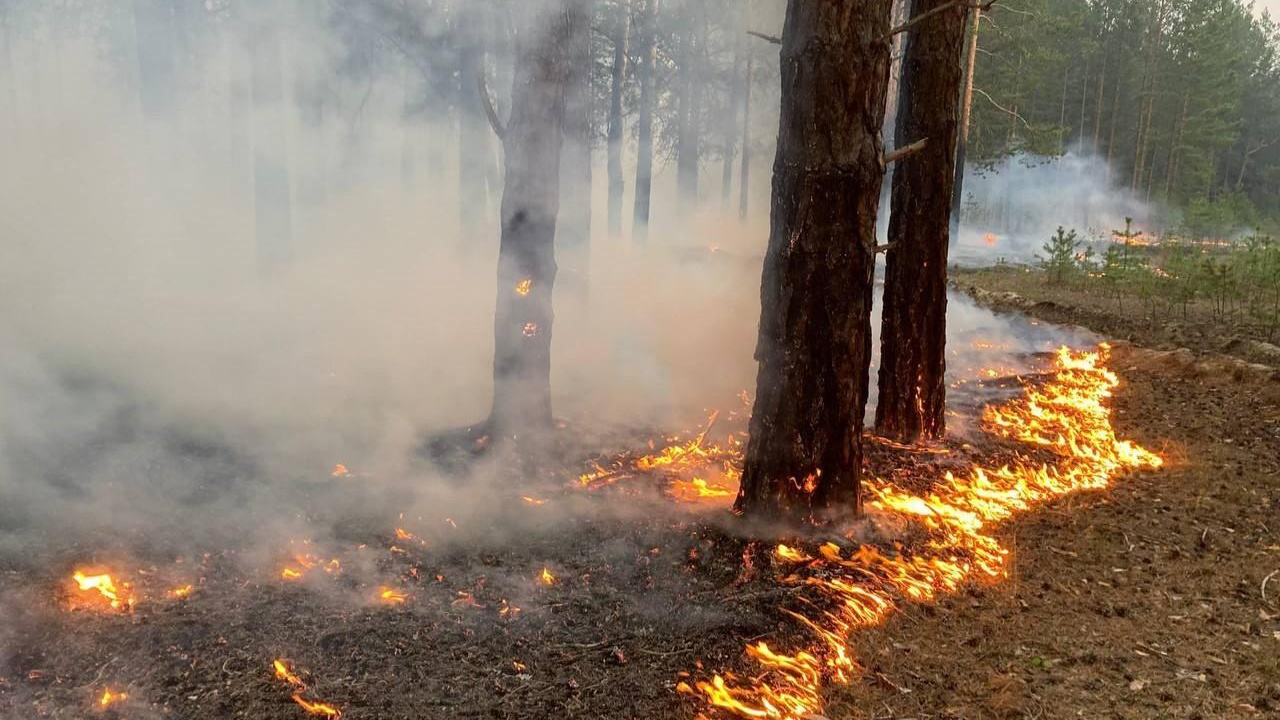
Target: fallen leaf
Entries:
(1137, 685)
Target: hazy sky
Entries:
(1272, 5)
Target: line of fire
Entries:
(400, 359)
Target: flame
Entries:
(284, 673)
(119, 597)
(547, 578)
(698, 489)
(290, 574)
(109, 697)
(391, 596)
(181, 592)
(524, 286)
(536, 502)
(402, 534)
(317, 708)
(340, 470)
(859, 588)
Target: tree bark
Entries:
(530, 202)
(966, 112)
(574, 235)
(731, 121)
(913, 334)
(617, 184)
(804, 456)
(689, 126)
(644, 139)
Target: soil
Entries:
(1145, 601)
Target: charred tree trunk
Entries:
(913, 333)
(573, 238)
(617, 184)
(644, 139)
(530, 202)
(966, 112)
(272, 198)
(804, 456)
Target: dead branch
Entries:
(903, 152)
(1266, 580)
(979, 6)
(768, 38)
(489, 111)
(1002, 108)
(878, 249)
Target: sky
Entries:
(1273, 6)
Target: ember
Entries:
(391, 596)
(524, 286)
(547, 578)
(108, 698)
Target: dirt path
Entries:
(1144, 601)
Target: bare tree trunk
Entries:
(689, 126)
(1176, 146)
(617, 184)
(1097, 120)
(913, 332)
(530, 203)
(272, 199)
(731, 121)
(574, 235)
(744, 179)
(644, 140)
(804, 456)
(966, 113)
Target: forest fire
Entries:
(391, 596)
(862, 587)
(546, 578)
(283, 673)
(119, 597)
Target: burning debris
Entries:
(101, 588)
(283, 673)
(110, 697)
(546, 578)
(391, 596)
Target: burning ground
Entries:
(615, 587)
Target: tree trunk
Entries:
(913, 332)
(272, 200)
(689, 123)
(804, 455)
(731, 120)
(530, 202)
(744, 178)
(474, 150)
(644, 140)
(617, 185)
(966, 113)
(573, 238)
(1175, 146)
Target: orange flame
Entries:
(536, 502)
(109, 697)
(1068, 415)
(284, 673)
(698, 489)
(119, 597)
(181, 592)
(391, 596)
(524, 286)
(547, 578)
(317, 708)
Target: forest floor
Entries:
(1146, 600)
(1127, 317)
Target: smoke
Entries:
(1010, 209)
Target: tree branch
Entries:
(903, 152)
(768, 38)
(1002, 108)
(980, 6)
(489, 111)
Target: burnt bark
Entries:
(617, 184)
(530, 203)
(644, 131)
(804, 455)
(912, 390)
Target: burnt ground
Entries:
(1144, 601)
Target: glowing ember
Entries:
(290, 574)
(340, 470)
(317, 708)
(547, 578)
(533, 501)
(990, 239)
(402, 534)
(118, 597)
(181, 592)
(524, 286)
(391, 596)
(109, 697)
(530, 329)
(862, 587)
